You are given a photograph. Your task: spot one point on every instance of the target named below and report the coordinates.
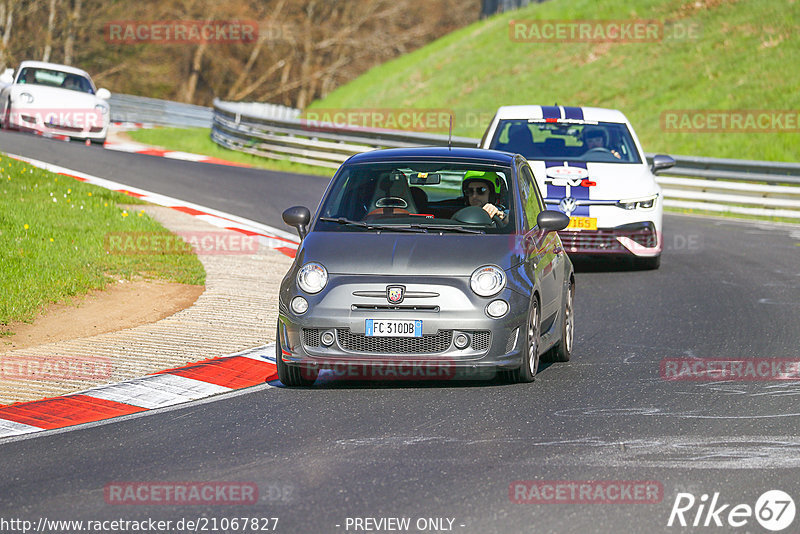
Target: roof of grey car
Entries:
(454, 154)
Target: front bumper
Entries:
(637, 239)
(492, 343)
(29, 122)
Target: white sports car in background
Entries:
(589, 164)
(54, 100)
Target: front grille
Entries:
(512, 340)
(311, 337)
(480, 339)
(606, 240)
(388, 307)
(64, 127)
(427, 344)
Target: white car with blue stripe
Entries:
(590, 165)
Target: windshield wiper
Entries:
(400, 228)
(448, 227)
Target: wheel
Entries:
(563, 349)
(530, 362)
(648, 264)
(292, 375)
(6, 124)
(99, 142)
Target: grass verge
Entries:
(198, 141)
(737, 56)
(730, 215)
(52, 241)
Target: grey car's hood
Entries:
(406, 253)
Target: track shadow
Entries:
(603, 264)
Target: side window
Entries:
(531, 199)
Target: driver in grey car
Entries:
(482, 189)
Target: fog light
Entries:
(497, 308)
(299, 305)
(327, 338)
(461, 340)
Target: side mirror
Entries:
(7, 78)
(661, 162)
(551, 220)
(103, 93)
(299, 217)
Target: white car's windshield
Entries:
(55, 78)
(606, 142)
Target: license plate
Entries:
(582, 223)
(391, 328)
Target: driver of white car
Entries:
(594, 138)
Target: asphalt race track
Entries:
(344, 450)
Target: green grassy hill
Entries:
(744, 55)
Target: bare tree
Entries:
(51, 24)
(73, 23)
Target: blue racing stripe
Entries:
(573, 113)
(580, 192)
(555, 191)
(550, 112)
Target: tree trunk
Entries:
(73, 22)
(51, 23)
(194, 75)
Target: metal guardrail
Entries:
(719, 185)
(130, 108)
(140, 109)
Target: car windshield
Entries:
(607, 142)
(55, 78)
(418, 196)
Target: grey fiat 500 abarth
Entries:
(426, 263)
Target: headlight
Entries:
(643, 203)
(299, 305)
(101, 108)
(312, 277)
(487, 280)
(26, 97)
(497, 308)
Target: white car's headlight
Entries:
(312, 277)
(643, 203)
(101, 108)
(26, 97)
(487, 280)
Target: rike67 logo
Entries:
(774, 510)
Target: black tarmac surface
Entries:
(325, 456)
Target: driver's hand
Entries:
(492, 210)
(615, 154)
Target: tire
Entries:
(99, 142)
(562, 351)
(292, 375)
(530, 363)
(648, 264)
(6, 125)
